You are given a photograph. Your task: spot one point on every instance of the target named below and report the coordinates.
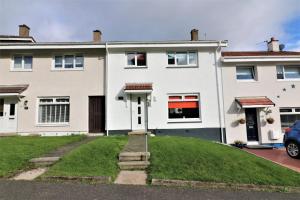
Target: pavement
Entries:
(278, 156)
(31, 190)
(131, 177)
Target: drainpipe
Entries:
(220, 101)
(106, 86)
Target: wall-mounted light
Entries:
(26, 104)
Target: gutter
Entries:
(106, 86)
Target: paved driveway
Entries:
(278, 156)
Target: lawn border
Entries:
(97, 179)
(216, 185)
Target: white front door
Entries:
(8, 115)
(138, 111)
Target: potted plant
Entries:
(270, 120)
(242, 121)
(239, 144)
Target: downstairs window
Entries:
(288, 116)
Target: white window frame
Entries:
(283, 71)
(175, 65)
(53, 68)
(184, 120)
(135, 59)
(38, 103)
(22, 69)
(293, 111)
(253, 70)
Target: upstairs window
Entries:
(288, 72)
(22, 63)
(69, 62)
(182, 59)
(136, 59)
(184, 106)
(245, 73)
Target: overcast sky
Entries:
(245, 23)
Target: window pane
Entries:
(285, 110)
(12, 109)
(297, 110)
(181, 58)
(192, 58)
(69, 61)
(62, 100)
(46, 100)
(58, 62)
(18, 62)
(183, 109)
(279, 72)
(292, 72)
(141, 59)
(130, 59)
(27, 62)
(1, 107)
(171, 59)
(244, 73)
(288, 120)
(79, 61)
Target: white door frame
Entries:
(8, 122)
(138, 112)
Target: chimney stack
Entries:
(24, 30)
(194, 35)
(97, 36)
(273, 45)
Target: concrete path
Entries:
(131, 178)
(30, 175)
(36, 190)
(278, 156)
(136, 143)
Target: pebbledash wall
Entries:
(43, 81)
(203, 79)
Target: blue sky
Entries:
(245, 23)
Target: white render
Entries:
(265, 85)
(165, 80)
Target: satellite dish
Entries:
(281, 47)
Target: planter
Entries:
(270, 120)
(242, 121)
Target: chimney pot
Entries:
(273, 45)
(194, 35)
(97, 36)
(24, 30)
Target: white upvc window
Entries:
(288, 116)
(22, 63)
(183, 107)
(136, 59)
(53, 110)
(245, 73)
(288, 72)
(182, 59)
(68, 62)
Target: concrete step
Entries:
(141, 132)
(44, 161)
(133, 165)
(134, 156)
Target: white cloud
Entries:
(243, 22)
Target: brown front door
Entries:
(96, 114)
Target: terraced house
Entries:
(185, 87)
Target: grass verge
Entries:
(15, 152)
(184, 158)
(96, 158)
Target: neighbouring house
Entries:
(51, 88)
(169, 87)
(261, 93)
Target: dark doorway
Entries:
(251, 124)
(96, 114)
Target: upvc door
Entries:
(8, 115)
(138, 111)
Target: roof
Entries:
(15, 39)
(254, 102)
(259, 53)
(13, 88)
(138, 86)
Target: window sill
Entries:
(54, 125)
(184, 121)
(65, 69)
(288, 80)
(247, 80)
(136, 67)
(183, 66)
(21, 70)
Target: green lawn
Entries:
(184, 158)
(15, 152)
(96, 158)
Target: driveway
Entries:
(42, 190)
(278, 156)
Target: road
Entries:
(27, 190)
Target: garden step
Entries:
(44, 161)
(130, 165)
(139, 132)
(134, 156)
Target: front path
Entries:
(32, 190)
